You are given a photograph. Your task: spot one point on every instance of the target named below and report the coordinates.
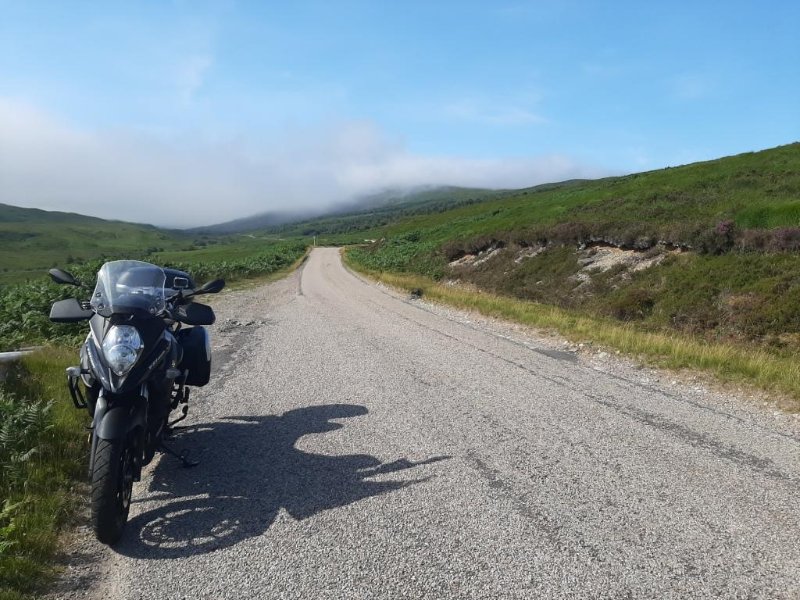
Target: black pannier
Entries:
(196, 354)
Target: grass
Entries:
(44, 458)
(760, 189)
(264, 279)
(775, 372)
(24, 308)
(224, 249)
(32, 241)
(238, 261)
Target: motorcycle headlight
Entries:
(121, 348)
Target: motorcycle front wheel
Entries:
(112, 486)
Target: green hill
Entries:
(711, 248)
(756, 190)
(355, 215)
(381, 210)
(33, 240)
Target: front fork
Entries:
(120, 417)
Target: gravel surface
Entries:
(358, 444)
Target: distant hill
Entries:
(33, 240)
(387, 202)
(353, 227)
(259, 222)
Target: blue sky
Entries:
(139, 110)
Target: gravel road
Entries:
(358, 444)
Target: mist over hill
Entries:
(384, 199)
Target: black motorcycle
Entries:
(135, 366)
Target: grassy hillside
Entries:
(32, 240)
(756, 190)
(346, 225)
(709, 249)
(355, 215)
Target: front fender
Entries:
(115, 422)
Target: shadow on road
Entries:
(249, 470)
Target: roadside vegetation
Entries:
(25, 307)
(42, 460)
(696, 266)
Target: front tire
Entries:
(112, 486)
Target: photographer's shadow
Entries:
(249, 470)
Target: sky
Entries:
(187, 113)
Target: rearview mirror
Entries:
(62, 277)
(212, 287)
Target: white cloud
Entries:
(689, 87)
(189, 180)
(190, 76)
(476, 112)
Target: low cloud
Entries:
(189, 180)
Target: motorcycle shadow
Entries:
(249, 470)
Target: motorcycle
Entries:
(135, 368)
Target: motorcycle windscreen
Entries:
(129, 286)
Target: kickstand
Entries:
(183, 456)
(171, 428)
(184, 412)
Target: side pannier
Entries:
(196, 346)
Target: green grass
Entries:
(775, 372)
(265, 278)
(245, 259)
(755, 190)
(32, 241)
(231, 248)
(37, 492)
(24, 308)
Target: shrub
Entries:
(21, 424)
(718, 240)
(754, 240)
(744, 313)
(632, 304)
(569, 233)
(785, 239)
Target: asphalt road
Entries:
(357, 444)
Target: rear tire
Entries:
(112, 485)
